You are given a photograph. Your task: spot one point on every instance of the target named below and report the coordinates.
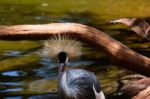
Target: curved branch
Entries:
(145, 94)
(139, 26)
(119, 54)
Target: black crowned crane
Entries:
(139, 26)
(72, 83)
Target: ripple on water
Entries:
(13, 73)
(12, 53)
(17, 97)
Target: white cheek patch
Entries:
(99, 95)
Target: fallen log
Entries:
(139, 26)
(119, 54)
(145, 94)
(132, 87)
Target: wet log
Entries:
(139, 26)
(132, 87)
(119, 54)
(145, 94)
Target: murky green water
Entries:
(25, 74)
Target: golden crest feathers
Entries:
(62, 43)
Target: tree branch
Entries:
(119, 54)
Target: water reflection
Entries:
(12, 53)
(18, 97)
(13, 73)
(37, 80)
(13, 90)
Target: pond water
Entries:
(26, 74)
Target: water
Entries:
(25, 74)
(36, 78)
